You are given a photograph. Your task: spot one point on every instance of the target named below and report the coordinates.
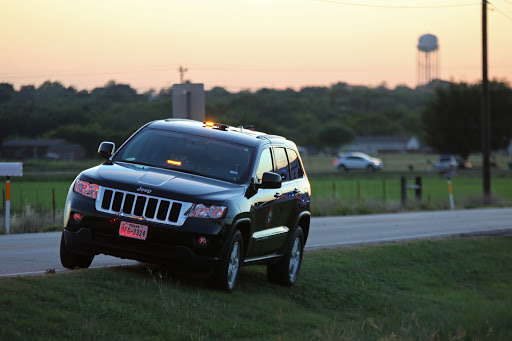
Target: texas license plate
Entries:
(132, 230)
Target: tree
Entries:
(333, 136)
(451, 120)
(6, 92)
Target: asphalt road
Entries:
(35, 253)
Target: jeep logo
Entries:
(145, 190)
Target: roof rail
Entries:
(272, 137)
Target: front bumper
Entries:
(88, 241)
(98, 233)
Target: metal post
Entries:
(384, 190)
(418, 188)
(485, 112)
(7, 204)
(450, 193)
(53, 201)
(403, 188)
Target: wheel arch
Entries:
(244, 226)
(304, 221)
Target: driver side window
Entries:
(265, 165)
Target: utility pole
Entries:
(485, 112)
(182, 71)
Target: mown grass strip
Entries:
(425, 290)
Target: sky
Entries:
(246, 44)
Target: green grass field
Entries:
(400, 162)
(447, 289)
(332, 192)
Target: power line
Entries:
(396, 6)
(496, 8)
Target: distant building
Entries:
(57, 149)
(383, 144)
(188, 101)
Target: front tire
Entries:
(226, 273)
(71, 260)
(287, 270)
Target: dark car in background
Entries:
(209, 196)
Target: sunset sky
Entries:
(246, 44)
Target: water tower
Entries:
(428, 59)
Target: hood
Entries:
(162, 183)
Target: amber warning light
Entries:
(174, 163)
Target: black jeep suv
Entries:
(211, 196)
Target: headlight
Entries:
(87, 189)
(207, 211)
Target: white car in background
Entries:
(349, 161)
(445, 163)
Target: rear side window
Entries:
(296, 171)
(265, 164)
(282, 164)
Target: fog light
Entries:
(77, 217)
(203, 241)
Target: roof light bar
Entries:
(208, 124)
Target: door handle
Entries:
(296, 191)
(277, 195)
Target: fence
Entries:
(401, 190)
(39, 199)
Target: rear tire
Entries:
(226, 274)
(71, 260)
(287, 270)
(342, 168)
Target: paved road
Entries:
(27, 254)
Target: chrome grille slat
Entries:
(173, 211)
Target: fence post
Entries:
(403, 190)
(53, 202)
(450, 193)
(384, 190)
(8, 204)
(418, 188)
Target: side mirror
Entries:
(106, 149)
(270, 180)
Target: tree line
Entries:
(322, 117)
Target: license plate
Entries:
(132, 230)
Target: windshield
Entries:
(189, 154)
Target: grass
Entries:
(333, 193)
(31, 220)
(317, 164)
(447, 289)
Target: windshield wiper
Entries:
(185, 171)
(136, 163)
(170, 168)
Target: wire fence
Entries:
(38, 199)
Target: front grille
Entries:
(160, 210)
